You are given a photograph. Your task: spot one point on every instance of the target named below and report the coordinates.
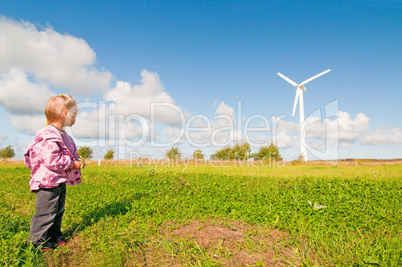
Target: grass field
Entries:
(214, 216)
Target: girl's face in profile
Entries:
(70, 116)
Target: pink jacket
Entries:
(51, 156)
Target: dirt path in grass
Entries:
(223, 244)
(196, 243)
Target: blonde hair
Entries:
(56, 105)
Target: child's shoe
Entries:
(45, 249)
(61, 243)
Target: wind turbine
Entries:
(299, 96)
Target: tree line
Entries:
(240, 151)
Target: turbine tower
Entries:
(299, 96)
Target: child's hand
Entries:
(83, 164)
(77, 165)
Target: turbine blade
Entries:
(287, 79)
(295, 104)
(315, 77)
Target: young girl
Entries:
(54, 162)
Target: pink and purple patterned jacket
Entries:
(51, 156)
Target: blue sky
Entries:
(208, 55)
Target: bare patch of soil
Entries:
(237, 243)
(199, 243)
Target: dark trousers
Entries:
(46, 223)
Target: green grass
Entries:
(122, 216)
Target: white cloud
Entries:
(34, 61)
(137, 99)
(224, 109)
(286, 140)
(174, 134)
(349, 131)
(383, 136)
(225, 118)
(352, 129)
(133, 131)
(57, 59)
(101, 123)
(29, 124)
(132, 107)
(287, 134)
(289, 126)
(87, 124)
(343, 129)
(20, 96)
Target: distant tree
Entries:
(109, 154)
(221, 153)
(173, 153)
(270, 152)
(299, 160)
(85, 152)
(7, 152)
(198, 154)
(239, 151)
